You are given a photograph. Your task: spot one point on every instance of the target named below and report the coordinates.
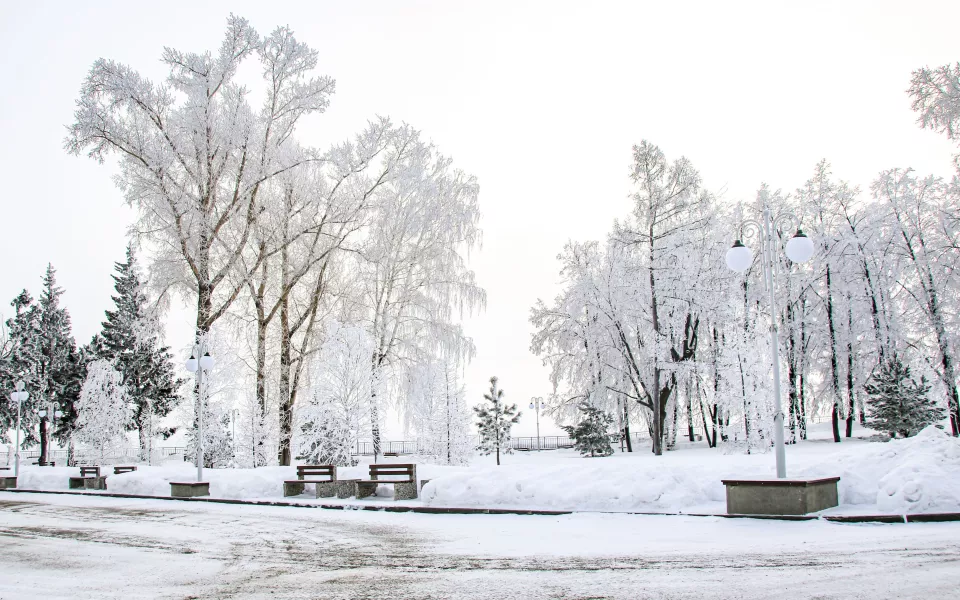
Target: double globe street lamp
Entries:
(199, 366)
(799, 249)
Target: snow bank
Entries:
(915, 475)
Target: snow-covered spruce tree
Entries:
(103, 411)
(495, 422)
(20, 361)
(59, 370)
(591, 434)
(130, 340)
(897, 404)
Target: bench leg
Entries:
(366, 489)
(95, 483)
(292, 488)
(405, 491)
(347, 489)
(327, 489)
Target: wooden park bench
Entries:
(89, 479)
(324, 477)
(122, 470)
(394, 454)
(403, 489)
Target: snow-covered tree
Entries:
(20, 361)
(325, 210)
(495, 421)
(59, 368)
(437, 413)
(195, 153)
(897, 404)
(338, 410)
(925, 239)
(591, 435)
(936, 97)
(413, 276)
(103, 410)
(130, 339)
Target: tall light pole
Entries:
(739, 258)
(535, 404)
(198, 366)
(19, 396)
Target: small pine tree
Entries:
(897, 404)
(590, 434)
(495, 422)
(102, 410)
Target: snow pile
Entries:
(584, 484)
(914, 475)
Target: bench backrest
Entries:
(84, 471)
(329, 471)
(409, 471)
(119, 470)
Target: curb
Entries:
(369, 507)
(440, 510)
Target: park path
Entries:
(88, 547)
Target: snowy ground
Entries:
(89, 547)
(917, 475)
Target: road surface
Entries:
(89, 547)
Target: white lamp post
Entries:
(535, 405)
(19, 396)
(739, 258)
(198, 366)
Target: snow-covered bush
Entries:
(103, 411)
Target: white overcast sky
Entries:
(540, 100)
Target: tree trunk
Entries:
(792, 373)
(143, 431)
(946, 356)
(851, 404)
(44, 441)
(374, 408)
(260, 411)
(626, 426)
(801, 389)
(286, 405)
(835, 376)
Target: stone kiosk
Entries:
(780, 496)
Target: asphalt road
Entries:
(87, 547)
